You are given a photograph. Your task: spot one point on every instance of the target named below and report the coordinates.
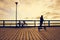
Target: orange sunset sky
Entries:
(30, 9)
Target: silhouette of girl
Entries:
(41, 22)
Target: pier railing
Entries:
(31, 23)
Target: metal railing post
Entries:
(19, 23)
(49, 23)
(34, 23)
(3, 23)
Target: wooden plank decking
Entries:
(52, 33)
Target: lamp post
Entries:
(16, 12)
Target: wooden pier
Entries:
(51, 33)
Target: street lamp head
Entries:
(16, 2)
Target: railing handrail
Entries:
(29, 20)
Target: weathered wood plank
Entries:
(29, 34)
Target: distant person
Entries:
(23, 23)
(41, 22)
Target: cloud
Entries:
(29, 1)
(52, 15)
(55, 5)
(30, 9)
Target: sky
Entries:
(30, 9)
